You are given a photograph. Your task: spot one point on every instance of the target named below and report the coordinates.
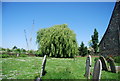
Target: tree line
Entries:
(58, 41)
(6, 52)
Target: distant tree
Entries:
(18, 51)
(57, 41)
(90, 49)
(38, 53)
(29, 51)
(83, 49)
(95, 41)
(22, 50)
(14, 47)
(8, 50)
(90, 43)
(2, 49)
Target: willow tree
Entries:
(57, 41)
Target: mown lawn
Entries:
(56, 68)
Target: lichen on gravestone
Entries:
(97, 70)
(112, 65)
(88, 67)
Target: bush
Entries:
(96, 59)
(5, 55)
(23, 55)
(38, 53)
(13, 55)
(117, 59)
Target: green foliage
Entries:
(57, 41)
(117, 59)
(22, 50)
(14, 55)
(2, 49)
(5, 55)
(90, 43)
(15, 47)
(96, 59)
(14, 51)
(83, 50)
(8, 50)
(95, 41)
(38, 53)
(23, 55)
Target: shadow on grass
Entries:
(38, 75)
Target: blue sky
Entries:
(81, 17)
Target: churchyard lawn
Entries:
(56, 68)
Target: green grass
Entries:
(21, 68)
(56, 68)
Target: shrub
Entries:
(13, 55)
(96, 59)
(117, 59)
(23, 55)
(5, 55)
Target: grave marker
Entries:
(104, 63)
(43, 66)
(97, 70)
(17, 54)
(88, 67)
(42, 69)
(117, 69)
(112, 65)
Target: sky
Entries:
(81, 17)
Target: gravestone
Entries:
(104, 63)
(38, 79)
(112, 65)
(43, 66)
(117, 69)
(88, 67)
(17, 54)
(97, 70)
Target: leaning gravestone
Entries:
(112, 65)
(43, 66)
(88, 67)
(97, 70)
(104, 63)
(42, 69)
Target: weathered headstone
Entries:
(38, 79)
(88, 67)
(17, 54)
(117, 69)
(104, 63)
(43, 66)
(112, 65)
(97, 70)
